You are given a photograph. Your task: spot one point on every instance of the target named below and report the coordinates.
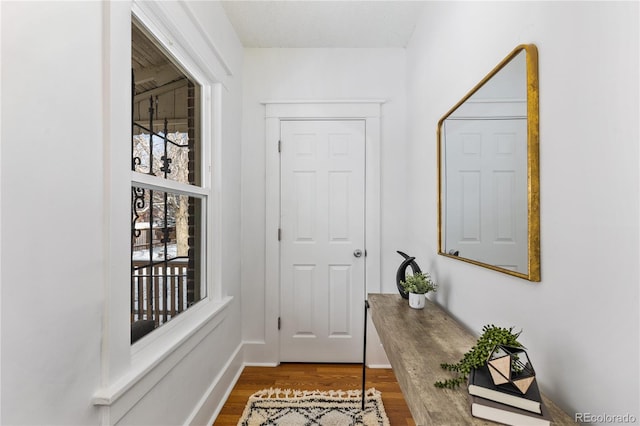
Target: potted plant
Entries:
(417, 285)
(478, 354)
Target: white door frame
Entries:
(275, 111)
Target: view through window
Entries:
(168, 201)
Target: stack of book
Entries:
(504, 404)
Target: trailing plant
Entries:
(419, 283)
(478, 354)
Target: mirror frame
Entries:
(533, 180)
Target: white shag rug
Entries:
(286, 407)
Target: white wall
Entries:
(318, 74)
(65, 222)
(51, 233)
(580, 323)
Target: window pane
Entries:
(165, 113)
(148, 150)
(165, 254)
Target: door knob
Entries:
(357, 252)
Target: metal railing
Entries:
(158, 289)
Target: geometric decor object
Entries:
(510, 364)
(500, 370)
(401, 273)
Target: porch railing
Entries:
(143, 237)
(158, 290)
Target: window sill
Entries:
(153, 356)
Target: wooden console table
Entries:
(416, 343)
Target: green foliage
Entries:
(419, 283)
(478, 354)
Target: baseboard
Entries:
(260, 353)
(213, 400)
(261, 364)
(379, 365)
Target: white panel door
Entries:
(322, 230)
(488, 157)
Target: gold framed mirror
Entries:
(488, 172)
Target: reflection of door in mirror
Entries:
(484, 156)
(488, 171)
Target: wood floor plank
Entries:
(315, 377)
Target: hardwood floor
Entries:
(312, 377)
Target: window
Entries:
(168, 198)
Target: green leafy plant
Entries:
(478, 354)
(419, 283)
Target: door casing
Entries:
(370, 112)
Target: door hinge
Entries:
(280, 146)
(279, 234)
(279, 323)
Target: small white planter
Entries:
(416, 301)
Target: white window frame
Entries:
(129, 371)
(203, 191)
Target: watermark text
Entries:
(605, 418)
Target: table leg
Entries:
(364, 354)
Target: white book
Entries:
(506, 414)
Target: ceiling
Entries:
(287, 23)
(324, 23)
